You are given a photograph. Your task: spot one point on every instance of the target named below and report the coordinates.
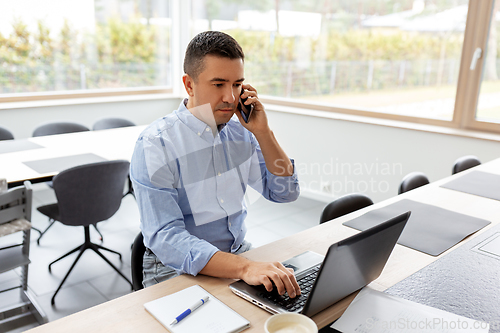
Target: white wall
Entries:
(22, 122)
(359, 157)
(347, 156)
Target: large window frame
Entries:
(478, 23)
(469, 81)
(479, 17)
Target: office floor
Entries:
(92, 281)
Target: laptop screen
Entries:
(353, 263)
(349, 265)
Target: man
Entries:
(191, 168)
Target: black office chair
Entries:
(53, 129)
(411, 181)
(107, 123)
(344, 205)
(464, 163)
(86, 195)
(5, 134)
(58, 128)
(137, 257)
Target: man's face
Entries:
(219, 84)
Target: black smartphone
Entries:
(245, 110)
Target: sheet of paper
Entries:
(376, 312)
(213, 317)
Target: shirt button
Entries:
(199, 133)
(221, 201)
(207, 129)
(229, 224)
(219, 174)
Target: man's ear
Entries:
(188, 84)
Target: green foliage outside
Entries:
(349, 45)
(341, 61)
(119, 54)
(127, 54)
(120, 42)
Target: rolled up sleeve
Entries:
(282, 189)
(273, 188)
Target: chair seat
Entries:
(51, 211)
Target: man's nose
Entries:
(229, 95)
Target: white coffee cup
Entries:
(290, 323)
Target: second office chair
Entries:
(86, 195)
(344, 205)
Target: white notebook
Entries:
(212, 317)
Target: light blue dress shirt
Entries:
(190, 187)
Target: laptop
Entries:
(349, 265)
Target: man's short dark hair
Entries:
(214, 43)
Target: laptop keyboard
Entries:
(297, 303)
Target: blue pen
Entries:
(190, 310)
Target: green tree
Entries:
(18, 43)
(44, 48)
(122, 42)
(66, 39)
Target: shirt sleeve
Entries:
(155, 180)
(272, 187)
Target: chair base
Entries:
(51, 223)
(85, 246)
(36, 229)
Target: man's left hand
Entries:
(257, 123)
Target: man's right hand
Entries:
(267, 273)
(230, 266)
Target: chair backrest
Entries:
(90, 193)
(464, 163)
(16, 203)
(344, 205)
(412, 181)
(108, 123)
(137, 256)
(5, 134)
(58, 128)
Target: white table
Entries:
(127, 313)
(109, 144)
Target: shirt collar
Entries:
(195, 124)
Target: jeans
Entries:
(153, 271)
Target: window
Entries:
(390, 59)
(478, 85)
(488, 107)
(59, 45)
(406, 60)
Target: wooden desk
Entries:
(110, 144)
(127, 314)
